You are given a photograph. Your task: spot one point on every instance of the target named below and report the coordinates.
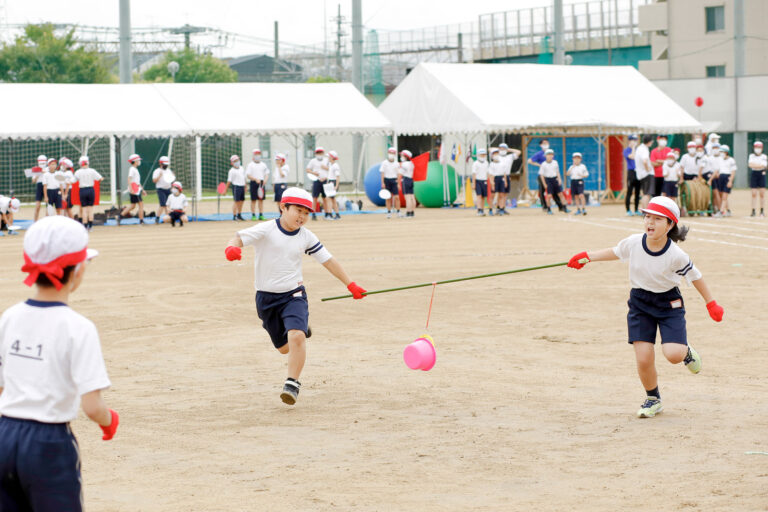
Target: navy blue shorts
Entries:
(722, 183)
(756, 179)
(500, 185)
(39, 191)
(254, 186)
(54, 198)
(279, 189)
(39, 466)
(670, 188)
(238, 193)
(407, 186)
(88, 196)
(481, 188)
(317, 189)
(69, 198)
(162, 195)
(649, 310)
(391, 185)
(283, 312)
(553, 187)
(577, 187)
(135, 198)
(176, 215)
(689, 177)
(706, 176)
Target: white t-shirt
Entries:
(133, 177)
(280, 174)
(549, 169)
(257, 171)
(236, 176)
(761, 160)
(389, 169)
(317, 166)
(655, 272)
(5, 206)
(49, 357)
(87, 177)
(177, 202)
(578, 172)
(671, 171)
(507, 160)
(161, 183)
(643, 157)
(727, 165)
(406, 169)
(277, 266)
(334, 171)
(497, 168)
(51, 181)
(480, 170)
(70, 177)
(712, 163)
(691, 164)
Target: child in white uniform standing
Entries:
(281, 300)
(280, 178)
(389, 170)
(135, 191)
(37, 179)
(53, 181)
(256, 173)
(758, 163)
(672, 172)
(66, 166)
(236, 178)
(50, 365)
(578, 173)
(480, 169)
(724, 179)
(163, 186)
(549, 170)
(87, 179)
(406, 182)
(334, 176)
(656, 267)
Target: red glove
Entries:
(109, 432)
(356, 291)
(576, 263)
(716, 311)
(233, 253)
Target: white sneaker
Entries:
(650, 408)
(693, 361)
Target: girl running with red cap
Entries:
(656, 267)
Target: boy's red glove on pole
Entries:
(109, 432)
(575, 261)
(716, 311)
(233, 253)
(356, 291)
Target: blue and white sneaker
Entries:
(290, 391)
(650, 408)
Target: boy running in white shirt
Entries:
(672, 172)
(135, 191)
(177, 204)
(236, 178)
(578, 173)
(480, 168)
(87, 179)
(50, 365)
(256, 173)
(656, 267)
(758, 163)
(281, 300)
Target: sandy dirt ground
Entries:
(531, 405)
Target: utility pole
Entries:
(357, 80)
(339, 33)
(740, 149)
(125, 42)
(276, 67)
(187, 30)
(559, 56)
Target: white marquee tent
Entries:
(60, 111)
(443, 99)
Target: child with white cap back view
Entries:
(87, 179)
(51, 365)
(578, 173)
(256, 173)
(758, 163)
(236, 178)
(281, 300)
(163, 186)
(656, 267)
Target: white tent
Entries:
(60, 111)
(505, 98)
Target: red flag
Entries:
(420, 166)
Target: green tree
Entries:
(193, 67)
(41, 56)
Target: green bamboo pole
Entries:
(481, 276)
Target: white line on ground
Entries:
(699, 230)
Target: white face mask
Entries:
(176, 191)
(662, 143)
(256, 158)
(691, 151)
(758, 151)
(403, 159)
(319, 157)
(481, 158)
(496, 158)
(716, 152)
(502, 152)
(391, 158)
(545, 147)
(700, 152)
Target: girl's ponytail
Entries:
(677, 233)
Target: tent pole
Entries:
(360, 165)
(117, 179)
(198, 172)
(599, 157)
(112, 170)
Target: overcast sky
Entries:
(301, 21)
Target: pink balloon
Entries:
(221, 188)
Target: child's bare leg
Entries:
(674, 352)
(297, 352)
(646, 367)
